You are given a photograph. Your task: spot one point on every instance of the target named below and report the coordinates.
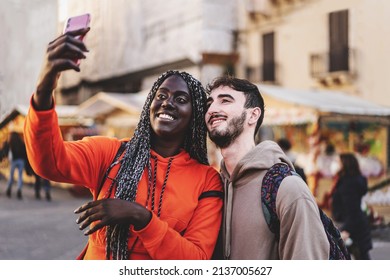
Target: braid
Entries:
(137, 155)
(195, 143)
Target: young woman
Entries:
(161, 199)
(350, 187)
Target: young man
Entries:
(234, 115)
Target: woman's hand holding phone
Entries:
(77, 23)
(62, 54)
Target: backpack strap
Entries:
(269, 189)
(338, 250)
(271, 182)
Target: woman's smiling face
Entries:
(171, 109)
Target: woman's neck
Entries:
(166, 149)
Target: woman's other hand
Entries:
(110, 212)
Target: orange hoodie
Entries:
(188, 226)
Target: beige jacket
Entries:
(245, 231)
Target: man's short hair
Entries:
(252, 94)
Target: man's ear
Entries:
(254, 115)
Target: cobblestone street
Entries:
(40, 230)
(37, 229)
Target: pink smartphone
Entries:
(75, 23)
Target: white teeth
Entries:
(165, 116)
(216, 121)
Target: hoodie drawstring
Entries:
(228, 218)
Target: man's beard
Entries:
(223, 139)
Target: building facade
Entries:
(132, 42)
(26, 27)
(332, 44)
(336, 45)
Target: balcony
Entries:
(336, 67)
(265, 73)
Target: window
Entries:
(338, 41)
(268, 57)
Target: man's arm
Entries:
(302, 235)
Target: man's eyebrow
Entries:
(224, 95)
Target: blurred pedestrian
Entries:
(17, 154)
(286, 146)
(327, 161)
(350, 187)
(39, 183)
(326, 164)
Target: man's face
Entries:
(226, 116)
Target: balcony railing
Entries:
(267, 72)
(324, 64)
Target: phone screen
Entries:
(77, 22)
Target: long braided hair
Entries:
(137, 155)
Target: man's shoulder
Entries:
(293, 188)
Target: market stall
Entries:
(316, 120)
(14, 121)
(116, 114)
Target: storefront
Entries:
(114, 114)
(315, 119)
(14, 121)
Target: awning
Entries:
(66, 114)
(286, 106)
(325, 101)
(289, 116)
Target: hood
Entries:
(262, 157)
